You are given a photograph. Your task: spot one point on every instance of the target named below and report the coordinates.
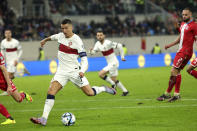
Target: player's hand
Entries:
(9, 90)
(42, 43)
(123, 59)
(81, 74)
(15, 62)
(90, 51)
(166, 47)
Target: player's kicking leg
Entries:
(49, 103)
(85, 87)
(95, 90)
(5, 113)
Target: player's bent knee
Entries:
(100, 75)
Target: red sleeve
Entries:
(195, 29)
(2, 60)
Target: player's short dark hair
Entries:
(66, 21)
(187, 8)
(99, 31)
(7, 29)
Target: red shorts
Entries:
(4, 86)
(194, 62)
(181, 60)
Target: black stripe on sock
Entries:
(105, 77)
(94, 91)
(117, 82)
(50, 96)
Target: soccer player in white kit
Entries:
(12, 51)
(106, 47)
(69, 69)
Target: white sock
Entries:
(47, 107)
(99, 89)
(109, 80)
(120, 85)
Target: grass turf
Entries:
(138, 112)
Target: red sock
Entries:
(171, 84)
(178, 83)
(194, 73)
(22, 97)
(4, 111)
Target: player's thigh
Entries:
(57, 83)
(78, 81)
(180, 60)
(87, 90)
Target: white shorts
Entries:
(11, 68)
(63, 78)
(112, 68)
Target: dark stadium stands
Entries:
(36, 28)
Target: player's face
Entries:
(8, 34)
(186, 15)
(100, 36)
(66, 29)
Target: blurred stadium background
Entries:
(125, 21)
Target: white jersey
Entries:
(11, 50)
(107, 49)
(69, 50)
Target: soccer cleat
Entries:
(8, 121)
(174, 98)
(27, 96)
(163, 97)
(125, 93)
(41, 120)
(110, 90)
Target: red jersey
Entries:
(188, 31)
(2, 62)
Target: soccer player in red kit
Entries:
(188, 33)
(7, 85)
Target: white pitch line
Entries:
(106, 108)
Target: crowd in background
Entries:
(36, 28)
(84, 7)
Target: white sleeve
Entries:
(19, 49)
(2, 49)
(118, 46)
(84, 64)
(82, 54)
(54, 37)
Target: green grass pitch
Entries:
(137, 112)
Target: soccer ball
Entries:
(68, 119)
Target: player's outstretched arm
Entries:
(173, 43)
(43, 42)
